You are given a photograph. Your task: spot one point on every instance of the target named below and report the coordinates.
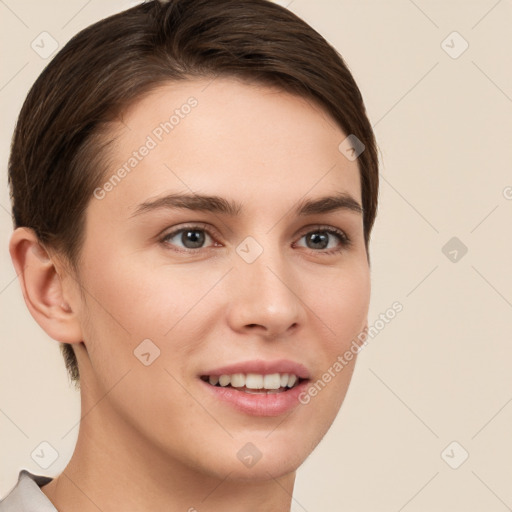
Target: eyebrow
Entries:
(217, 204)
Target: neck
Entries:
(115, 468)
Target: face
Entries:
(247, 277)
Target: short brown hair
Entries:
(62, 131)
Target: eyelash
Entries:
(344, 240)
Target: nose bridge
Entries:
(265, 294)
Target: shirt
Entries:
(27, 496)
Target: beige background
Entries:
(440, 371)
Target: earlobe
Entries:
(43, 288)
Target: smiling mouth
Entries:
(254, 383)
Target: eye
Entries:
(188, 237)
(328, 240)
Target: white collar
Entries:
(27, 496)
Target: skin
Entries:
(150, 437)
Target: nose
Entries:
(265, 297)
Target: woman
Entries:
(194, 185)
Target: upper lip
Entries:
(262, 367)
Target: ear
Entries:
(51, 300)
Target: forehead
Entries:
(226, 137)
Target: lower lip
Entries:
(263, 404)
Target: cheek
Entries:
(343, 310)
(140, 299)
(129, 302)
(342, 306)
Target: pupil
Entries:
(192, 239)
(316, 238)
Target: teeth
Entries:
(272, 381)
(254, 381)
(224, 380)
(238, 380)
(252, 392)
(292, 379)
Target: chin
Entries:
(262, 455)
